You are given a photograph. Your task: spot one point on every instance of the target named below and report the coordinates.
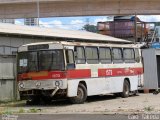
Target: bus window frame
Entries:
(70, 66)
(139, 57)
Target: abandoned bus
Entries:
(75, 70)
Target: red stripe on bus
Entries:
(79, 73)
(43, 75)
(70, 74)
(119, 72)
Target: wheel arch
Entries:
(84, 83)
(127, 79)
(73, 87)
(81, 94)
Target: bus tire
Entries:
(126, 89)
(81, 95)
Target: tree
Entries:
(90, 28)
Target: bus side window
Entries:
(129, 56)
(137, 56)
(79, 55)
(105, 55)
(117, 55)
(70, 59)
(92, 55)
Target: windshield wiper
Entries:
(50, 65)
(32, 67)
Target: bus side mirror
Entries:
(138, 59)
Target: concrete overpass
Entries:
(48, 8)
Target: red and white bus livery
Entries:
(77, 70)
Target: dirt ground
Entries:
(97, 104)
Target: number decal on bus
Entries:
(109, 72)
(56, 76)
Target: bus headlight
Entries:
(38, 84)
(21, 85)
(57, 83)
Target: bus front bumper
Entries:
(41, 85)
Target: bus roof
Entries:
(58, 33)
(81, 44)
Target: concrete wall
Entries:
(51, 8)
(7, 77)
(17, 41)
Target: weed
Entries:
(7, 112)
(21, 110)
(33, 110)
(149, 109)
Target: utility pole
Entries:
(135, 29)
(87, 23)
(38, 10)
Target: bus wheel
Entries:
(81, 95)
(126, 89)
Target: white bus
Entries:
(75, 70)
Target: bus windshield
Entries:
(51, 60)
(40, 61)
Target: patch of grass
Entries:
(7, 112)
(149, 108)
(21, 110)
(1, 112)
(13, 103)
(33, 110)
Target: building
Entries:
(12, 21)
(31, 21)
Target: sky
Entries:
(76, 23)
